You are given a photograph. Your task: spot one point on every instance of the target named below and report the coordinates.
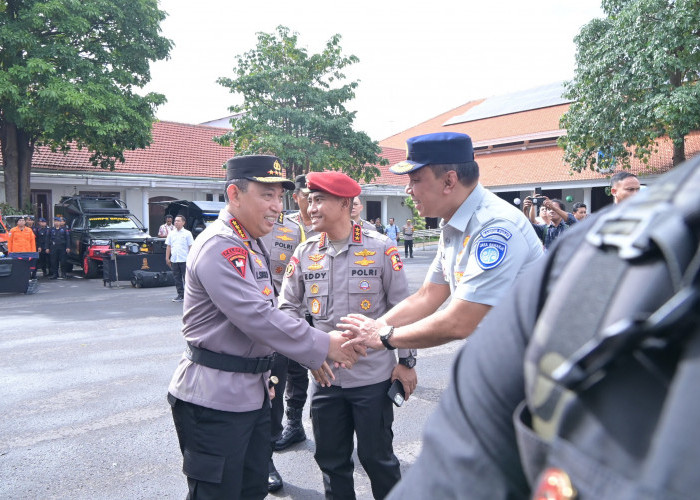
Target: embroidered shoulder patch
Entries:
(238, 257)
(490, 253)
(356, 233)
(396, 263)
(291, 267)
(238, 228)
(496, 231)
(390, 250)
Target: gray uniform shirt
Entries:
(230, 308)
(284, 238)
(483, 247)
(365, 276)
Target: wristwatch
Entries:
(384, 337)
(408, 362)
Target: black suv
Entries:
(102, 225)
(198, 214)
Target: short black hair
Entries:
(184, 219)
(619, 177)
(241, 184)
(467, 173)
(559, 202)
(578, 205)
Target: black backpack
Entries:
(612, 383)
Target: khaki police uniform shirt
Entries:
(284, 238)
(230, 308)
(483, 247)
(365, 276)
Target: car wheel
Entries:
(89, 268)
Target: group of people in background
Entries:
(51, 243)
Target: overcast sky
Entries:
(417, 58)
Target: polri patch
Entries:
(238, 257)
(490, 253)
(496, 231)
(291, 267)
(396, 263)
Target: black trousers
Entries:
(295, 378)
(58, 258)
(367, 412)
(225, 454)
(408, 248)
(179, 269)
(43, 262)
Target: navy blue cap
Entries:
(58, 218)
(435, 149)
(259, 168)
(41, 219)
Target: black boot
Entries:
(274, 480)
(293, 432)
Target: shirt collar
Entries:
(464, 213)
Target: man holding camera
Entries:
(559, 219)
(347, 269)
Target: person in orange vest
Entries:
(21, 238)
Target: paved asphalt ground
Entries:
(83, 379)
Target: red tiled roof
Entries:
(394, 156)
(517, 167)
(177, 149)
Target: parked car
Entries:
(4, 236)
(102, 225)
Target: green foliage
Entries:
(635, 82)
(69, 70)
(6, 209)
(294, 107)
(418, 221)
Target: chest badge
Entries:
(315, 306)
(283, 257)
(285, 230)
(266, 291)
(364, 285)
(364, 253)
(365, 304)
(314, 288)
(284, 237)
(258, 261)
(315, 267)
(317, 257)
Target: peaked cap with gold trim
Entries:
(259, 168)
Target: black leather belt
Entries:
(228, 362)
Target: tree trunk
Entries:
(678, 151)
(17, 152)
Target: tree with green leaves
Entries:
(68, 74)
(294, 107)
(636, 82)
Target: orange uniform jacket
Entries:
(21, 240)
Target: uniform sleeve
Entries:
(224, 270)
(32, 238)
(492, 263)
(11, 241)
(469, 444)
(435, 272)
(168, 239)
(291, 299)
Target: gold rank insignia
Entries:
(314, 288)
(284, 237)
(285, 230)
(365, 253)
(357, 234)
(364, 262)
(317, 257)
(365, 304)
(315, 267)
(283, 257)
(280, 218)
(315, 306)
(266, 291)
(402, 167)
(238, 228)
(276, 169)
(258, 261)
(458, 277)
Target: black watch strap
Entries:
(385, 339)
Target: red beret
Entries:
(335, 183)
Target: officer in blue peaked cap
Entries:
(485, 243)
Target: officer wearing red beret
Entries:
(342, 270)
(219, 392)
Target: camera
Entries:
(538, 201)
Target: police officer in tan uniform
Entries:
(219, 391)
(289, 231)
(347, 269)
